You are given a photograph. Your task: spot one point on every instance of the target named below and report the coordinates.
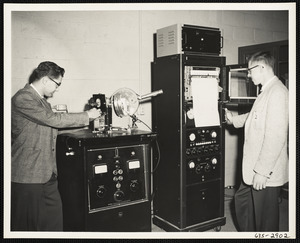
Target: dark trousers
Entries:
(36, 207)
(257, 210)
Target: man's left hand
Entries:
(259, 182)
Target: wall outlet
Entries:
(141, 110)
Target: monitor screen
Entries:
(240, 86)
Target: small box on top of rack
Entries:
(182, 38)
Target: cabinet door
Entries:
(278, 49)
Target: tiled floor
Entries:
(230, 225)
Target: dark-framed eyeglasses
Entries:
(58, 84)
(249, 69)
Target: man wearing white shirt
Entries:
(265, 156)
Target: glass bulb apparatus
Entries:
(126, 102)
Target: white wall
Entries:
(103, 51)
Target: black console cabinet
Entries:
(104, 180)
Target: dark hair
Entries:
(264, 57)
(50, 69)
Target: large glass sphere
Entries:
(125, 102)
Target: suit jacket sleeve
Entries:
(239, 121)
(40, 112)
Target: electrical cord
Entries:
(134, 118)
(156, 166)
(158, 157)
(157, 145)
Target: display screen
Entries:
(240, 86)
(100, 169)
(134, 164)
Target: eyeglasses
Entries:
(58, 84)
(249, 69)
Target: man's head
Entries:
(261, 67)
(47, 77)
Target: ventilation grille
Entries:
(168, 38)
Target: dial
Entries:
(192, 137)
(188, 152)
(194, 151)
(213, 134)
(134, 186)
(207, 168)
(190, 114)
(199, 150)
(119, 195)
(191, 164)
(198, 169)
(101, 192)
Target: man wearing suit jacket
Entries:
(265, 156)
(35, 200)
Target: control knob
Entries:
(194, 151)
(192, 137)
(207, 168)
(214, 161)
(188, 152)
(213, 134)
(118, 185)
(199, 150)
(119, 195)
(134, 186)
(101, 192)
(191, 164)
(198, 169)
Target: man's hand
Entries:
(259, 182)
(94, 113)
(228, 116)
